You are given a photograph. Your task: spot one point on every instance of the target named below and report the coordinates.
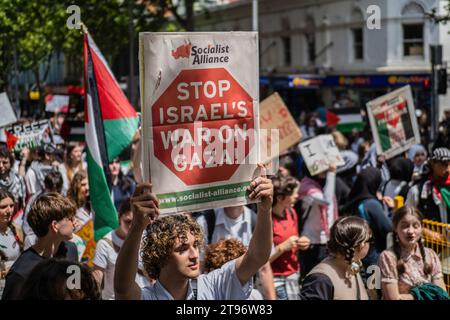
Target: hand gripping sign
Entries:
(200, 117)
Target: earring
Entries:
(355, 267)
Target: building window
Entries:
(311, 41)
(358, 44)
(413, 40)
(286, 50)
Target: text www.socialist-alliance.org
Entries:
(204, 194)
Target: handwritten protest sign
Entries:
(393, 122)
(275, 115)
(28, 135)
(319, 152)
(7, 115)
(200, 120)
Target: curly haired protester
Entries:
(219, 253)
(408, 265)
(170, 253)
(337, 276)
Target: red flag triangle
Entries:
(332, 119)
(113, 102)
(11, 140)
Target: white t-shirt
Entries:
(105, 258)
(10, 246)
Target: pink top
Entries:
(414, 264)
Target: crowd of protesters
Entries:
(308, 236)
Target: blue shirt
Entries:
(220, 284)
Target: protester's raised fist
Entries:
(262, 188)
(145, 205)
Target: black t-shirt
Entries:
(317, 286)
(23, 266)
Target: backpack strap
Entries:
(383, 190)
(112, 245)
(291, 213)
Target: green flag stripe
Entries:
(348, 127)
(119, 134)
(106, 218)
(383, 132)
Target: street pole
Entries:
(131, 37)
(436, 59)
(255, 15)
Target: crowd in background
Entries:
(326, 230)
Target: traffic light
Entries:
(442, 81)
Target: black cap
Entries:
(441, 154)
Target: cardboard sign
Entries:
(275, 115)
(393, 122)
(28, 135)
(7, 115)
(56, 103)
(87, 234)
(319, 152)
(200, 117)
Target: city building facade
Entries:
(342, 52)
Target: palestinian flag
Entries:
(345, 119)
(73, 130)
(110, 124)
(394, 124)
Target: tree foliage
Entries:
(37, 29)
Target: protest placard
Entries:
(28, 135)
(7, 115)
(56, 103)
(319, 152)
(200, 117)
(393, 122)
(275, 115)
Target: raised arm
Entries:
(261, 243)
(145, 209)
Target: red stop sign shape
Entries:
(215, 98)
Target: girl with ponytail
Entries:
(408, 264)
(337, 277)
